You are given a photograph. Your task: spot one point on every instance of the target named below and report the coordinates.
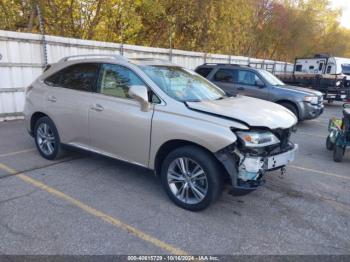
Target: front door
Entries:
(250, 84)
(118, 127)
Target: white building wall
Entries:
(22, 61)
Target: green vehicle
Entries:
(339, 134)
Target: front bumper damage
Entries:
(310, 111)
(248, 167)
(280, 160)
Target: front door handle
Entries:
(52, 99)
(240, 88)
(97, 107)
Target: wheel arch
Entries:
(35, 117)
(292, 103)
(171, 145)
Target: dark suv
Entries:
(237, 79)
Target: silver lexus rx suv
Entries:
(161, 116)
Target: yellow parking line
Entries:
(319, 172)
(17, 152)
(92, 211)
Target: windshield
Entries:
(270, 78)
(345, 69)
(183, 85)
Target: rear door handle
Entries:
(97, 107)
(52, 99)
(240, 88)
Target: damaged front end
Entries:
(254, 153)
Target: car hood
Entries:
(302, 90)
(252, 111)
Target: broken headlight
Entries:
(257, 138)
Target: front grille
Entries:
(320, 100)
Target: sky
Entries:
(344, 5)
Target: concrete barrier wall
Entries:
(22, 59)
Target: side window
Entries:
(80, 77)
(298, 68)
(115, 80)
(329, 68)
(204, 71)
(320, 66)
(224, 75)
(247, 77)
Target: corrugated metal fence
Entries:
(22, 60)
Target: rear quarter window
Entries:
(81, 77)
(204, 71)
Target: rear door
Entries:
(118, 126)
(321, 66)
(67, 101)
(249, 83)
(225, 79)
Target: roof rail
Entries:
(149, 59)
(152, 61)
(116, 57)
(223, 64)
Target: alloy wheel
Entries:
(45, 139)
(187, 180)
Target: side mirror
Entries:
(259, 83)
(140, 93)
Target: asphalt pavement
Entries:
(86, 204)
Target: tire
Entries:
(47, 140)
(209, 182)
(329, 144)
(291, 108)
(338, 153)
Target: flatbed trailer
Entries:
(329, 75)
(332, 87)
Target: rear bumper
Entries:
(27, 123)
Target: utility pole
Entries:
(171, 32)
(122, 28)
(170, 45)
(42, 31)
